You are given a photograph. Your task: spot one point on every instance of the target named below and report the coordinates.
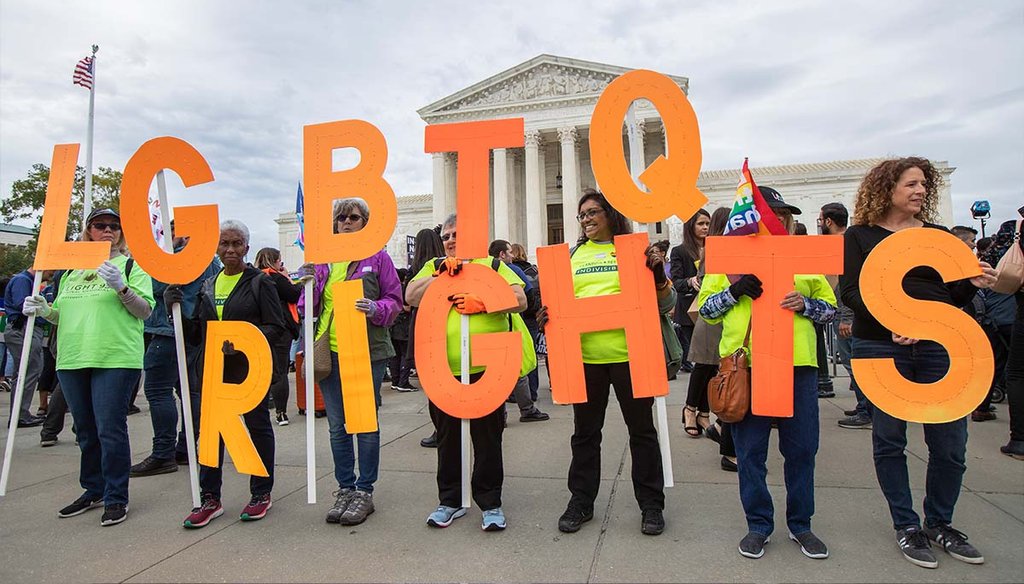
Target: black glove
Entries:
(656, 264)
(173, 295)
(748, 285)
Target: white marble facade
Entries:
(534, 189)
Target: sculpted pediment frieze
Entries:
(542, 82)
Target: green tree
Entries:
(14, 259)
(29, 194)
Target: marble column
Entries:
(439, 199)
(451, 176)
(501, 194)
(543, 175)
(570, 183)
(637, 163)
(535, 207)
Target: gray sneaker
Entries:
(955, 544)
(342, 498)
(359, 508)
(856, 421)
(915, 547)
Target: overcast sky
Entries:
(783, 82)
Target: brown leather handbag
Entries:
(729, 391)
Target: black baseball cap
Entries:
(101, 212)
(775, 201)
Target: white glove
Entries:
(111, 274)
(36, 306)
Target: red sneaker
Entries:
(200, 516)
(257, 508)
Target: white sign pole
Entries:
(466, 441)
(179, 347)
(307, 347)
(19, 390)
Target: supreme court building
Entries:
(534, 189)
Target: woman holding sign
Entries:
(381, 303)
(239, 292)
(729, 301)
(896, 195)
(605, 365)
(99, 360)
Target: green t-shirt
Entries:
(478, 323)
(338, 273)
(734, 322)
(222, 287)
(596, 273)
(95, 329)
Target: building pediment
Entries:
(546, 81)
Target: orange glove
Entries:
(450, 265)
(466, 303)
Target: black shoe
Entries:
(429, 441)
(114, 514)
(31, 422)
(826, 392)
(752, 545)
(302, 412)
(955, 543)
(81, 505)
(1013, 449)
(181, 458)
(652, 522)
(713, 433)
(855, 422)
(849, 413)
(282, 419)
(47, 441)
(132, 410)
(810, 545)
(534, 416)
(153, 466)
(728, 465)
(574, 518)
(320, 414)
(915, 547)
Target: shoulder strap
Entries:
(128, 268)
(495, 264)
(572, 250)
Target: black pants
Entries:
(685, 333)
(697, 392)
(1015, 376)
(488, 468)
(588, 420)
(279, 380)
(1000, 339)
(55, 412)
(726, 447)
(257, 421)
(397, 365)
(824, 378)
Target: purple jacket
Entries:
(381, 285)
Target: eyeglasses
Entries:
(99, 226)
(353, 218)
(589, 214)
(448, 236)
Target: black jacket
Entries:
(289, 294)
(254, 300)
(682, 267)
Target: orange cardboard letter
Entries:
(324, 186)
(198, 223)
(224, 403)
(354, 361)
(673, 180)
(775, 260)
(501, 353)
(473, 141)
(53, 252)
(970, 354)
(634, 309)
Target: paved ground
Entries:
(705, 521)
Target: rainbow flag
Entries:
(750, 212)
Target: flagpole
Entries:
(87, 203)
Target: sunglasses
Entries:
(101, 226)
(447, 236)
(353, 218)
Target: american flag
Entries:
(83, 73)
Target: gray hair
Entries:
(346, 205)
(449, 221)
(235, 225)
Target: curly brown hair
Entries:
(874, 196)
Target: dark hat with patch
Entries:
(775, 201)
(101, 212)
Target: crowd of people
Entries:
(98, 330)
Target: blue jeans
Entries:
(98, 400)
(341, 441)
(798, 443)
(161, 366)
(845, 346)
(923, 362)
